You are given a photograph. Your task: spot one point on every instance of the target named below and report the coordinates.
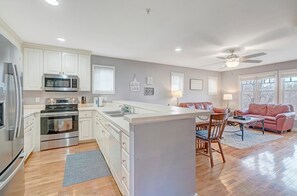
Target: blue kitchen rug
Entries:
(85, 166)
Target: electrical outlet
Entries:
(37, 99)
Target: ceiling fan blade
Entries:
(223, 67)
(254, 55)
(251, 61)
(219, 57)
(211, 64)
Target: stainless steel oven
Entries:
(59, 124)
(58, 83)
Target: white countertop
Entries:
(144, 113)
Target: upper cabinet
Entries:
(40, 60)
(69, 64)
(60, 63)
(33, 69)
(52, 62)
(84, 72)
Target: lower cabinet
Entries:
(28, 140)
(85, 129)
(29, 132)
(109, 139)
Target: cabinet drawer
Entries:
(29, 121)
(85, 114)
(103, 122)
(125, 159)
(125, 178)
(125, 142)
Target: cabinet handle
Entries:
(124, 161)
(124, 178)
(124, 143)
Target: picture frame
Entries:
(196, 84)
(149, 91)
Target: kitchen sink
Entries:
(113, 112)
(116, 115)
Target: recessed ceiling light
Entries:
(177, 49)
(61, 39)
(53, 2)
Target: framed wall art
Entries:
(196, 84)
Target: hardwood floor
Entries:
(44, 173)
(266, 169)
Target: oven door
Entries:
(58, 125)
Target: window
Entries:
(288, 87)
(257, 89)
(177, 82)
(212, 85)
(103, 79)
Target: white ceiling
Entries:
(203, 29)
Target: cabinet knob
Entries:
(124, 143)
(124, 161)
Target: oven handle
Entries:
(58, 114)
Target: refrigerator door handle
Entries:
(14, 71)
(6, 181)
(20, 100)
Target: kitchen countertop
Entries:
(144, 112)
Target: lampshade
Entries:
(233, 62)
(227, 97)
(177, 94)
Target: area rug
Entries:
(84, 166)
(252, 137)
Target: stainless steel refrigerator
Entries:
(11, 120)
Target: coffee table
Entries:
(241, 124)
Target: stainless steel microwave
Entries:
(60, 83)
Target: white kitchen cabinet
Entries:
(52, 62)
(84, 72)
(28, 140)
(85, 129)
(33, 69)
(69, 64)
(29, 131)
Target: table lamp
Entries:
(227, 97)
(177, 94)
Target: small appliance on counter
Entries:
(83, 100)
(98, 101)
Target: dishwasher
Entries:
(115, 149)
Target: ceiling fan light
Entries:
(53, 2)
(231, 63)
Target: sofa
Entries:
(277, 117)
(203, 106)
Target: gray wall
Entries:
(125, 70)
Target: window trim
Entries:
(217, 85)
(179, 74)
(97, 92)
(256, 77)
(281, 72)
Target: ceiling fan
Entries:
(234, 60)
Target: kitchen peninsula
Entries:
(143, 150)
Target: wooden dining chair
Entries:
(213, 134)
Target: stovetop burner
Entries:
(60, 105)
